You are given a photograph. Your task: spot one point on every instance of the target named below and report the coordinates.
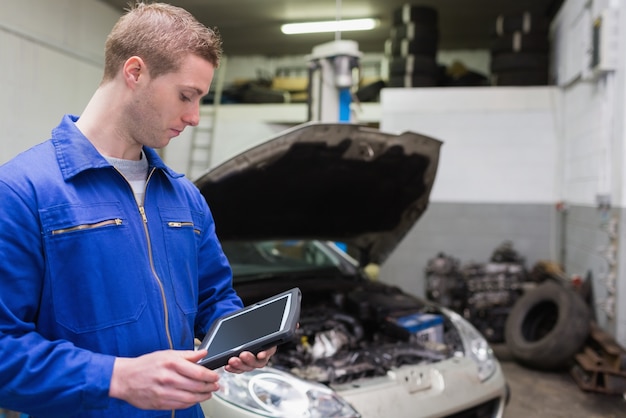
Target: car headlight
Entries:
(272, 393)
(476, 347)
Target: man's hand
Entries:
(248, 361)
(163, 380)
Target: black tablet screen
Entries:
(251, 326)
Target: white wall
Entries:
(592, 103)
(592, 147)
(500, 143)
(496, 179)
(52, 54)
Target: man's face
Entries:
(163, 107)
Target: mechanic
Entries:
(109, 261)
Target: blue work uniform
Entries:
(88, 274)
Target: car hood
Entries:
(340, 182)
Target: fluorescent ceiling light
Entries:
(329, 26)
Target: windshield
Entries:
(253, 258)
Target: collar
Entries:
(75, 153)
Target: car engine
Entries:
(483, 293)
(354, 336)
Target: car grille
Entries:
(487, 409)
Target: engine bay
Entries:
(364, 332)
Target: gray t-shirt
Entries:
(135, 172)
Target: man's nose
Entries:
(192, 117)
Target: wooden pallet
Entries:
(601, 366)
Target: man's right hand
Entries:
(163, 380)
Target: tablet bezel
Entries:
(289, 320)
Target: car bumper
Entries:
(443, 389)
(440, 390)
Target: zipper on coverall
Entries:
(158, 280)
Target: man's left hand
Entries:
(248, 361)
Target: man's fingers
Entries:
(193, 356)
(248, 361)
(163, 380)
(194, 371)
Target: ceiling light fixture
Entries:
(329, 26)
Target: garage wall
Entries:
(52, 55)
(496, 179)
(503, 140)
(470, 232)
(592, 157)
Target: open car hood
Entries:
(340, 182)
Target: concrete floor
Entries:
(539, 394)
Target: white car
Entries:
(319, 207)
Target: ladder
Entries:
(203, 134)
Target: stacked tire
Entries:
(411, 48)
(520, 50)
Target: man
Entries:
(109, 262)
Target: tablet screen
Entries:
(249, 326)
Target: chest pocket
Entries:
(97, 267)
(182, 232)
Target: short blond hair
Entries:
(161, 35)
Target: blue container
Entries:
(426, 327)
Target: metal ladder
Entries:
(203, 134)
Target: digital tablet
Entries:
(254, 328)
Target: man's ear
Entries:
(133, 69)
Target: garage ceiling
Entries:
(252, 27)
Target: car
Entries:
(320, 207)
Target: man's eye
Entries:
(184, 98)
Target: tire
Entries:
(525, 22)
(423, 15)
(520, 42)
(413, 31)
(405, 47)
(519, 61)
(547, 326)
(413, 64)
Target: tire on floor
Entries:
(547, 326)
